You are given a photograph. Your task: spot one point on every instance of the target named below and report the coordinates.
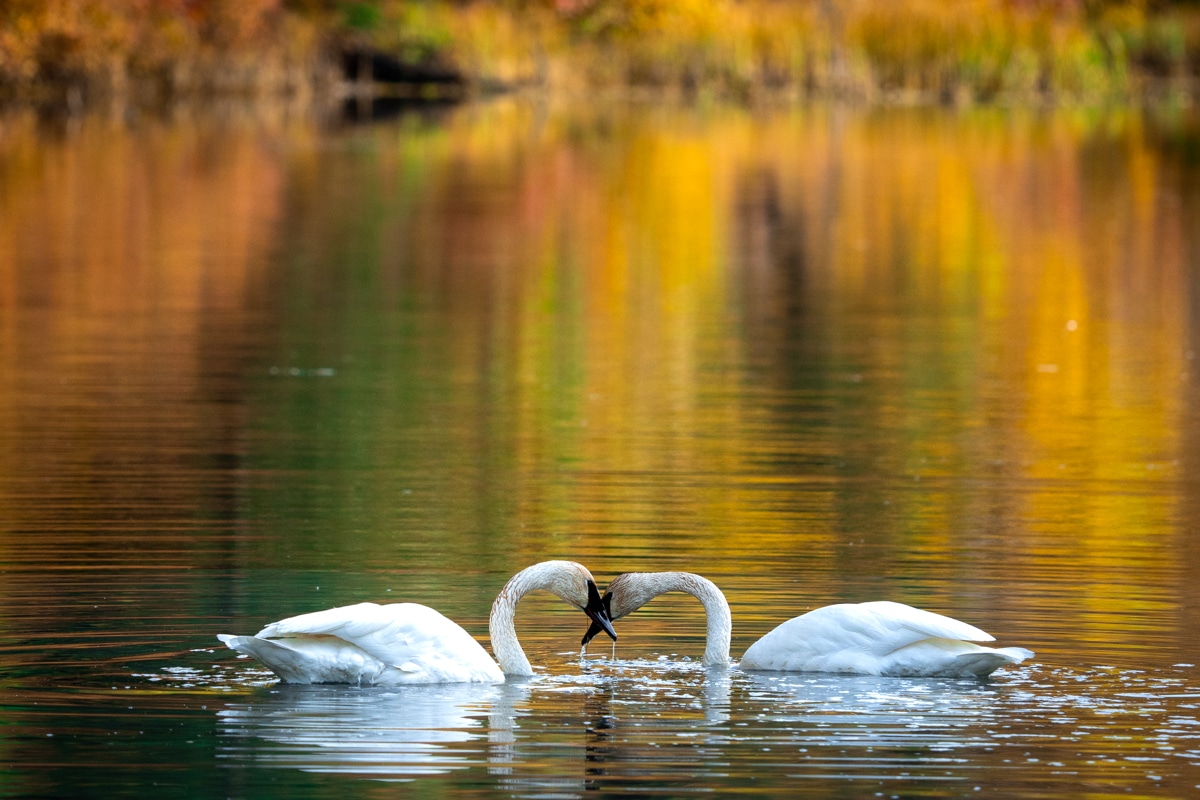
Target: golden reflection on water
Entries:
(812, 353)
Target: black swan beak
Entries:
(597, 610)
(602, 619)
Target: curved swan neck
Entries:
(566, 579)
(719, 620)
(641, 587)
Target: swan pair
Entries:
(875, 638)
(402, 643)
(408, 643)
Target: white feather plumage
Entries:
(408, 643)
(370, 644)
(879, 638)
(875, 638)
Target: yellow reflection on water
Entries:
(905, 351)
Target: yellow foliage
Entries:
(102, 42)
(948, 49)
(985, 47)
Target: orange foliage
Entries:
(961, 49)
(102, 41)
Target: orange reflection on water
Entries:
(901, 351)
(123, 252)
(1008, 291)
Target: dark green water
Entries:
(252, 366)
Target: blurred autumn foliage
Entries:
(949, 49)
(175, 45)
(973, 49)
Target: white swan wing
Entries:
(877, 638)
(370, 643)
(907, 624)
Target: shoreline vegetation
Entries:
(67, 54)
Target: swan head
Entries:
(568, 580)
(626, 593)
(572, 582)
(632, 590)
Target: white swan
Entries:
(408, 643)
(877, 638)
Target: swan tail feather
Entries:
(309, 659)
(1017, 654)
(988, 660)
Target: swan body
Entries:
(876, 638)
(879, 638)
(369, 644)
(408, 643)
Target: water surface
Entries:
(253, 365)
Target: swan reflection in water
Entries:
(697, 705)
(834, 710)
(622, 716)
(404, 733)
(387, 734)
